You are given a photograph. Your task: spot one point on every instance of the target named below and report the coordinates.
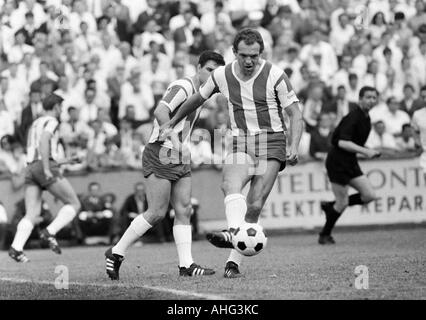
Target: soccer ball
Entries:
(249, 239)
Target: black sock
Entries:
(331, 219)
(355, 199)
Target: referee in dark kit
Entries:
(342, 165)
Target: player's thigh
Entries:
(33, 200)
(340, 192)
(63, 190)
(181, 195)
(364, 187)
(158, 194)
(236, 172)
(262, 185)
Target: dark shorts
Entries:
(265, 146)
(34, 174)
(342, 169)
(171, 167)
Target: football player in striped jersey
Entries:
(167, 169)
(43, 173)
(258, 93)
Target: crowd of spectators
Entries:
(111, 61)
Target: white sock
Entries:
(65, 216)
(235, 211)
(183, 239)
(23, 232)
(137, 229)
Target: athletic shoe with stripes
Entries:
(18, 256)
(112, 264)
(50, 240)
(195, 270)
(221, 239)
(232, 271)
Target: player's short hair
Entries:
(51, 101)
(249, 36)
(423, 88)
(366, 89)
(210, 56)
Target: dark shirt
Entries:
(355, 127)
(319, 143)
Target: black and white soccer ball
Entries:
(249, 239)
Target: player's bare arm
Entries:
(162, 114)
(354, 148)
(45, 153)
(296, 130)
(194, 102)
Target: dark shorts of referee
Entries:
(342, 169)
(269, 146)
(170, 167)
(34, 174)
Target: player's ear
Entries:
(234, 51)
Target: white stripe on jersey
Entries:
(42, 124)
(176, 94)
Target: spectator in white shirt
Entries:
(353, 88)
(127, 60)
(381, 140)
(89, 110)
(151, 33)
(340, 36)
(135, 92)
(341, 78)
(7, 125)
(74, 130)
(377, 28)
(164, 62)
(179, 20)
(12, 102)
(108, 54)
(201, 150)
(406, 141)
(80, 14)
(85, 42)
(391, 115)
(362, 60)
(375, 78)
(20, 48)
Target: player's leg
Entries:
(260, 188)
(333, 210)
(158, 197)
(61, 189)
(366, 192)
(235, 175)
(26, 225)
(182, 230)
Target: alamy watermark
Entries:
(62, 281)
(362, 278)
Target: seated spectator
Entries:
(340, 106)
(7, 123)
(406, 142)
(94, 218)
(46, 83)
(109, 129)
(136, 204)
(420, 102)
(151, 34)
(392, 117)
(96, 145)
(321, 138)
(89, 109)
(354, 88)
(313, 106)
(381, 140)
(407, 102)
(12, 160)
(135, 92)
(113, 157)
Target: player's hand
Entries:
(293, 158)
(48, 174)
(372, 154)
(76, 159)
(165, 131)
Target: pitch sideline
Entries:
(176, 292)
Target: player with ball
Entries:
(258, 93)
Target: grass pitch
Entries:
(291, 267)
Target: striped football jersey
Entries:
(256, 105)
(42, 124)
(176, 94)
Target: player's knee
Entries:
(229, 187)
(183, 210)
(369, 197)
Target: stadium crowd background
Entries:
(112, 60)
